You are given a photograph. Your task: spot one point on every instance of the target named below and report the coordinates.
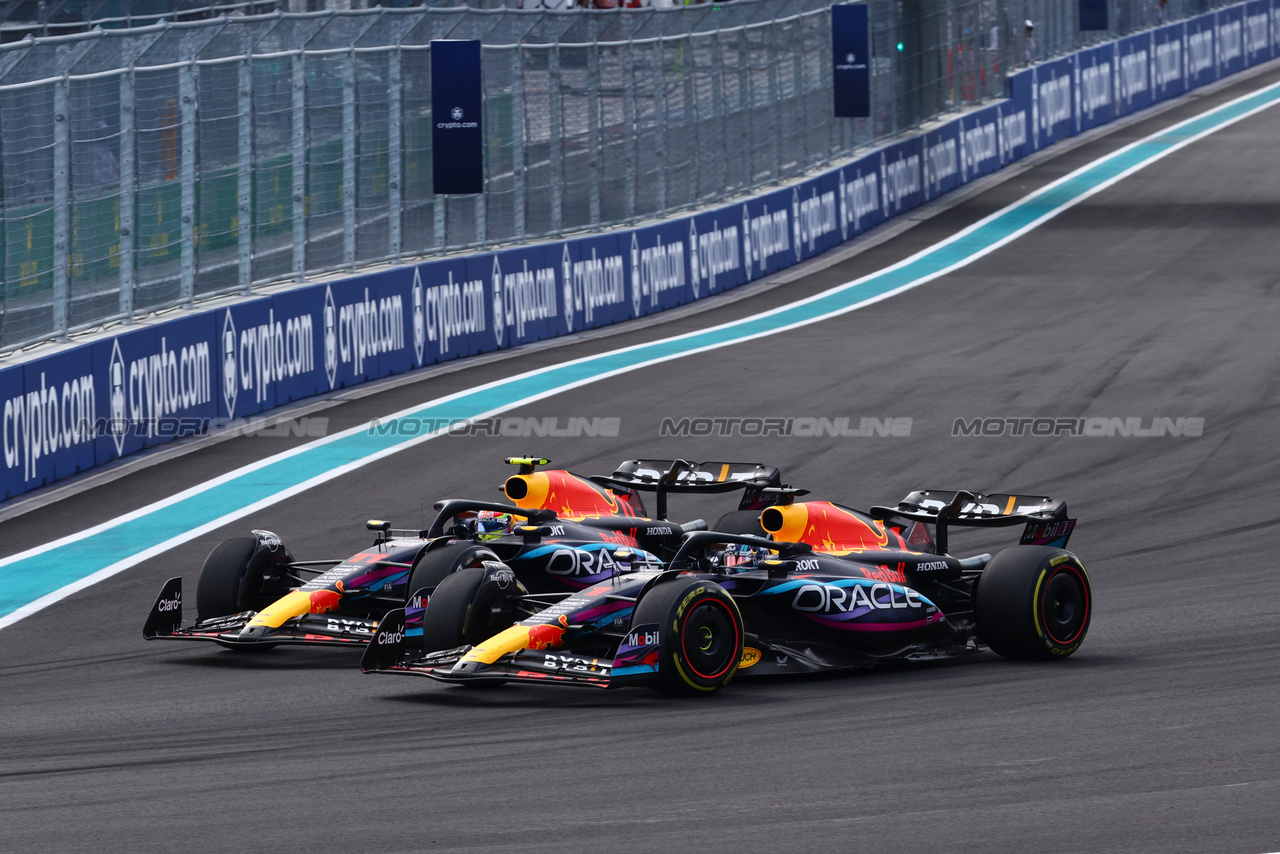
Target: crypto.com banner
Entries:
(94, 403)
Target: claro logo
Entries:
(390, 638)
(174, 604)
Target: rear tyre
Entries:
(237, 576)
(700, 636)
(464, 610)
(1034, 602)
(741, 522)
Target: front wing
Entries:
(165, 623)
(389, 654)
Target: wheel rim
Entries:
(709, 638)
(1064, 607)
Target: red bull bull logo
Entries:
(545, 637)
(324, 601)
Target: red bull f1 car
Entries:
(835, 589)
(558, 532)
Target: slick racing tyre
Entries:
(437, 563)
(467, 608)
(700, 635)
(1033, 602)
(741, 522)
(241, 575)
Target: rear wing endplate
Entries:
(1045, 519)
(663, 476)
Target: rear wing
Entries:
(1045, 519)
(756, 480)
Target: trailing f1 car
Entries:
(731, 603)
(559, 533)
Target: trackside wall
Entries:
(93, 403)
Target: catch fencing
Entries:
(145, 168)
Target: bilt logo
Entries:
(499, 321)
(566, 269)
(118, 415)
(230, 372)
(419, 316)
(330, 337)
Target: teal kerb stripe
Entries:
(27, 579)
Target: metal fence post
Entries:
(630, 151)
(518, 143)
(480, 200)
(394, 155)
(775, 101)
(61, 207)
(187, 97)
(802, 92)
(299, 138)
(127, 194)
(244, 179)
(556, 153)
(349, 162)
(660, 124)
(692, 115)
(593, 134)
(717, 99)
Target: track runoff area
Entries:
(38, 577)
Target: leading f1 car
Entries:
(836, 589)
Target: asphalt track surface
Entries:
(1156, 298)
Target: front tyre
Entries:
(700, 635)
(442, 561)
(242, 575)
(1034, 602)
(469, 606)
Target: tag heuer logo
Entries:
(330, 337)
(635, 276)
(499, 320)
(695, 269)
(419, 317)
(566, 268)
(118, 424)
(230, 376)
(457, 114)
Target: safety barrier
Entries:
(96, 402)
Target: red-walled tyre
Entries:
(1034, 602)
(700, 641)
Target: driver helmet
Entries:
(490, 524)
(737, 556)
